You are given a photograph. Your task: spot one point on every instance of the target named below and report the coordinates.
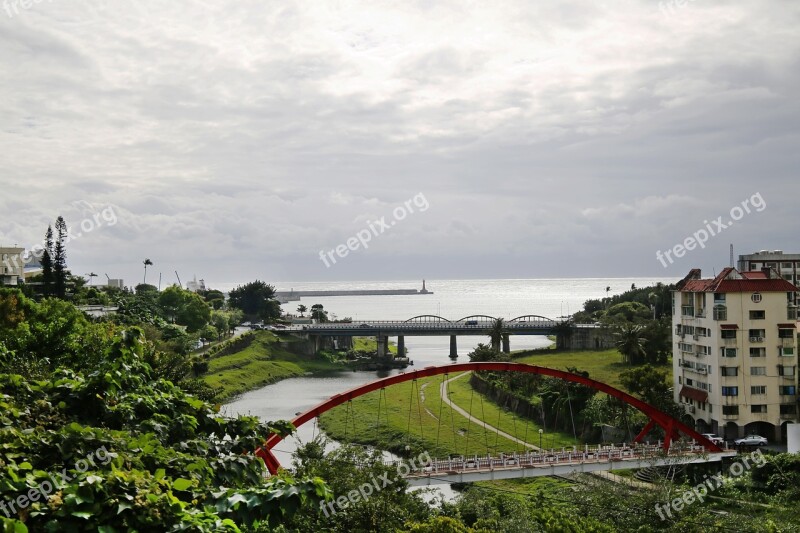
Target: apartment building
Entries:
(12, 266)
(787, 265)
(735, 352)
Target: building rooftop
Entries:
(731, 280)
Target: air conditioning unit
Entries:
(759, 339)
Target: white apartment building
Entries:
(787, 265)
(12, 266)
(734, 352)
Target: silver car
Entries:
(751, 440)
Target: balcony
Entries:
(701, 313)
(687, 310)
(729, 343)
(786, 343)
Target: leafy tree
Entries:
(319, 313)
(60, 259)
(256, 300)
(484, 353)
(301, 309)
(209, 334)
(194, 313)
(651, 385)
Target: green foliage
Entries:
(256, 300)
(629, 340)
(168, 461)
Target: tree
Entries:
(256, 300)
(209, 334)
(194, 313)
(496, 333)
(147, 263)
(91, 275)
(60, 259)
(301, 309)
(47, 262)
(630, 343)
(318, 313)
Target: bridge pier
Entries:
(506, 344)
(453, 347)
(401, 346)
(383, 345)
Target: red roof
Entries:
(731, 280)
(694, 394)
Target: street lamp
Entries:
(540, 438)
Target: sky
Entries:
(399, 140)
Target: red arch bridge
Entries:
(671, 450)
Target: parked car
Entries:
(364, 325)
(716, 439)
(751, 440)
(470, 322)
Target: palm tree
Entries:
(147, 263)
(630, 343)
(91, 275)
(608, 289)
(496, 333)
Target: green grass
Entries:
(261, 363)
(455, 436)
(370, 344)
(605, 365)
(461, 394)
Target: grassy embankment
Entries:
(265, 361)
(456, 435)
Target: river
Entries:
(453, 299)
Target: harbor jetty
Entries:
(293, 296)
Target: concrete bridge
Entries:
(568, 335)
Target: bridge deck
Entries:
(554, 462)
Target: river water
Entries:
(452, 299)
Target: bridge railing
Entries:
(575, 455)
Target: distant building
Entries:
(195, 285)
(735, 352)
(788, 265)
(12, 266)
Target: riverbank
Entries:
(359, 422)
(267, 359)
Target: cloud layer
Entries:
(236, 140)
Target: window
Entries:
(731, 410)
(758, 408)
(729, 352)
(758, 389)
(689, 382)
(787, 390)
(758, 352)
(785, 370)
(755, 297)
(689, 330)
(686, 347)
(757, 333)
(729, 370)
(730, 391)
(785, 333)
(757, 315)
(758, 371)
(787, 352)
(789, 409)
(728, 333)
(720, 312)
(680, 380)
(703, 350)
(786, 265)
(719, 297)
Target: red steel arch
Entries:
(671, 426)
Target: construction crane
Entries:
(179, 279)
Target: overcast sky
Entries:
(237, 140)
